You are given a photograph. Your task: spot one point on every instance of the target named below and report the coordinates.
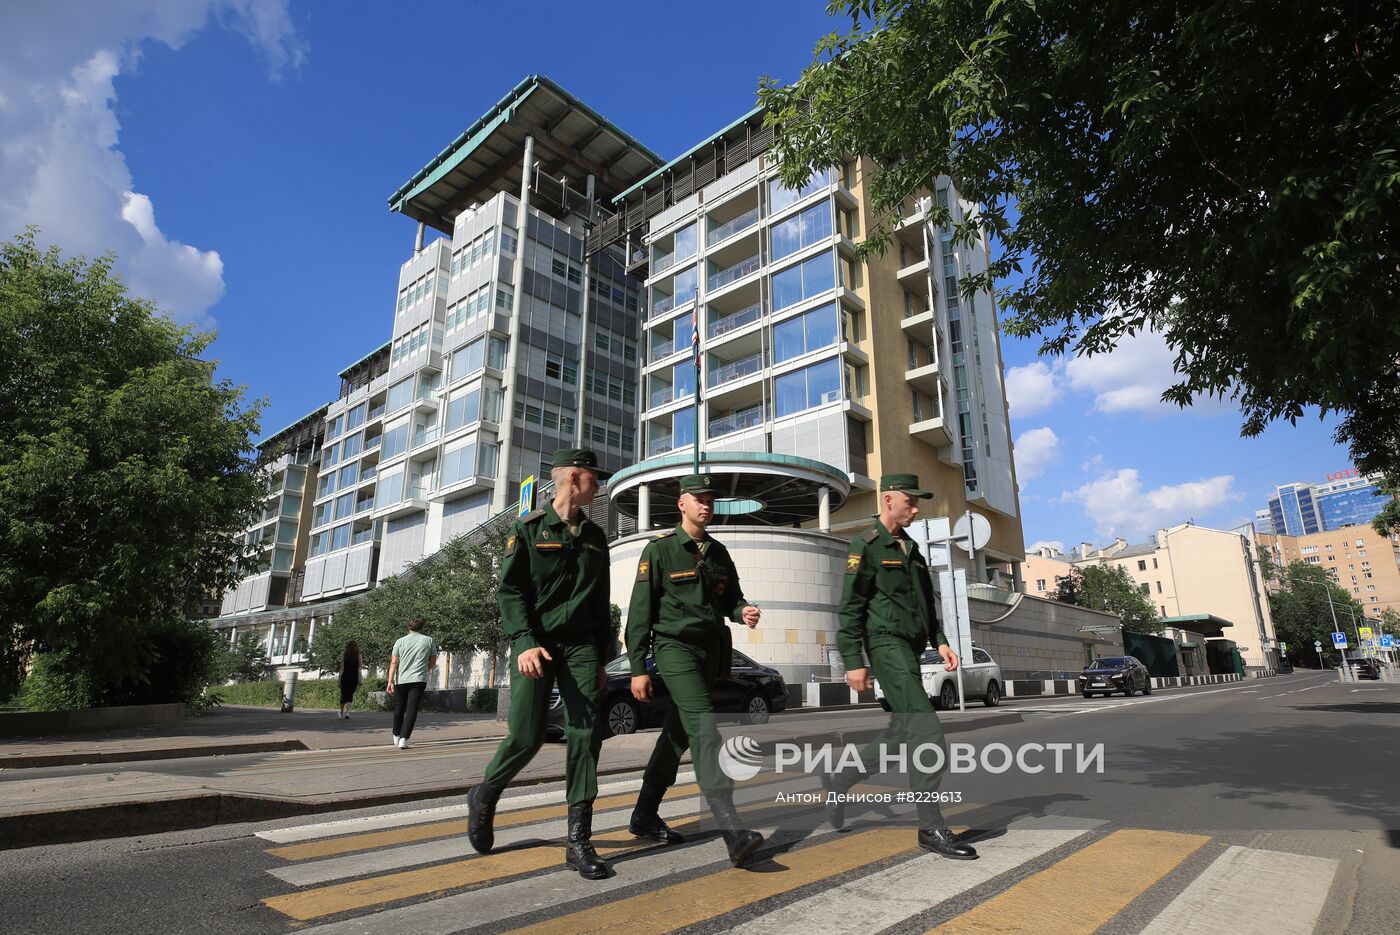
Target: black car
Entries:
(750, 693)
(1111, 674)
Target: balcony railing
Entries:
(425, 437)
(738, 271)
(742, 419)
(376, 412)
(730, 228)
(660, 445)
(417, 492)
(369, 473)
(373, 444)
(736, 369)
(737, 320)
(662, 396)
(663, 263)
(663, 349)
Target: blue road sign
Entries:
(1387, 642)
(1339, 641)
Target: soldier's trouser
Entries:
(575, 669)
(912, 719)
(690, 673)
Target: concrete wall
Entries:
(794, 575)
(1040, 639)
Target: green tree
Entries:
(246, 660)
(1226, 174)
(452, 590)
(126, 479)
(1109, 588)
(1300, 610)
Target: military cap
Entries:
(580, 458)
(905, 483)
(697, 483)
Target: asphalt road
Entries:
(1264, 806)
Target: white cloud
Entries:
(1130, 378)
(60, 165)
(1033, 388)
(1039, 544)
(1035, 450)
(1119, 506)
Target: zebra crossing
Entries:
(414, 872)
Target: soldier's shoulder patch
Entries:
(852, 563)
(531, 516)
(871, 535)
(510, 544)
(644, 570)
(663, 535)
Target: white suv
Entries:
(981, 680)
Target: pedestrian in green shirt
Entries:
(685, 588)
(888, 613)
(414, 655)
(555, 612)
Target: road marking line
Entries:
(1115, 870)
(878, 901)
(726, 890)
(326, 829)
(442, 829)
(1272, 892)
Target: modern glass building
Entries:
(1302, 509)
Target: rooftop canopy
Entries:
(571, 140)
(751, 488)
(1208, 625)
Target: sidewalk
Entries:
(337, 765)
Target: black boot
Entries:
(835, 809)
(934, 835)
(646, 820)
(481, 817)
(579, 853)
(740, 842)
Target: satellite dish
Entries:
(979, 530)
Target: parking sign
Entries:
(1387, 642)
(1339, 641)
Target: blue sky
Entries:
(238, 154)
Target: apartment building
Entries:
(870, 366)
(1198, 578)
(1359, 559)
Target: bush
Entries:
(316, 694)
(483, 701)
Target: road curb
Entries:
(41, 760)
(205, 809)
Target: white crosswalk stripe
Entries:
(1268, 892)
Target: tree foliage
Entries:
(1227, 174)
(1112, 589)
(452, 590)
(246, 660)
(1300, 610)
(126, 478)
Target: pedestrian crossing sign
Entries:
(1365, 633)
(527, 495)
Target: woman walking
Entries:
(349, 676)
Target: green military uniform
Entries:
(685, 589)
(889, 611)
(554, 594)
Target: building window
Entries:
(400, 395)
(1142, 565)
(1154, 563)
(807, 227)
(1145, 588)
(804, 333)
(1159, 587)
(808, 387)
(1039, 584)
(780, 196)
(804, 280)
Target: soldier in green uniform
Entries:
(686, 586)
(888, 612)
(555, 612)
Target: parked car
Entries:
(981, 680)
(750, 694)
(1110, 674)
(1365, 667)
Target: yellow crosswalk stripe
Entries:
(729, 889)
(473, 871)
(371, 840)
(1116, 870)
